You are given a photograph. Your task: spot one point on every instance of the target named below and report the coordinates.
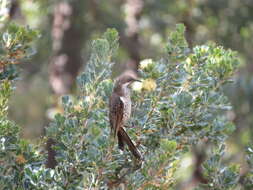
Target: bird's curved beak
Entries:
(137, 80)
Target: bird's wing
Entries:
(116, 113)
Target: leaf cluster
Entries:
(179, 105)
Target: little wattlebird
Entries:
(120, 111)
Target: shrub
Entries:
(179, 105)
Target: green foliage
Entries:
(177, 46)
(84, 128)
(5, 92)
(15, 153)
(247, 177)
(15, 46)
(219, 174)
(183, 108)
(179, 105)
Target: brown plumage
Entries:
(120, 111)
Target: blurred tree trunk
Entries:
(131, 37)
(68, 38)
(197, 177)
(15, 11)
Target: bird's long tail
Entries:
(124, 138)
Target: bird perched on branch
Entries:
(120, 111)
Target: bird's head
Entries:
(126, 78)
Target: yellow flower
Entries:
(149, 84)
(78, 106)
(20, 159)
(188, 61)
(145, 63)
(137, 86)
(51, 112)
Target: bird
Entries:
(120, 111)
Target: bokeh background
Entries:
(68, 26)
